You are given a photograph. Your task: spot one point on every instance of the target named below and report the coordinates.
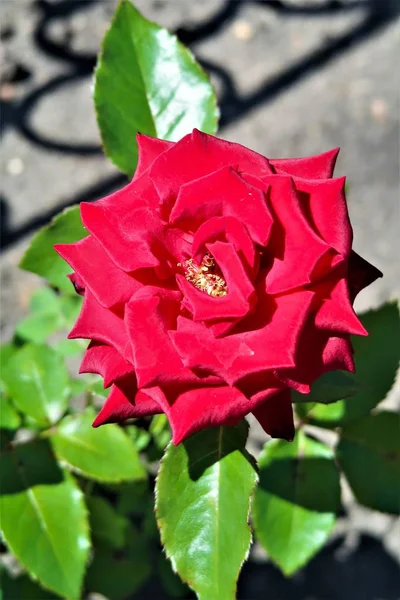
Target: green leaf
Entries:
(51, 312)
(146, 81)
(45, 300)
(296, 502)
(37, 328)
(69, 347)
(377, 359)
(97, 387)
(107, 526)
(139, 436)
(42, 259)
(369, 454)
(118, 575)
(103, 454)
(6, 352)
(329, 388)
(160, 431)
(9, 417)
(43, 518)
(203, 494)
(37, 380)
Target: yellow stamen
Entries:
(204, 276)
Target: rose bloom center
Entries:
(205, 277)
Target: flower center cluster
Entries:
(204, 276)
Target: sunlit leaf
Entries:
(42, 259)
(37, 380)
(104, 454)
(146, 81)
(203, 494)
(43, 518)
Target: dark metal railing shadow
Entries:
(377, 14)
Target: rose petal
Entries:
(196, 155)
(149, 149)
(320, 166)
(200, 408)
(125, 402)
(102, 325)
(275, 416)
(296, 248)
(223, 193)
(273, 331)
(106, 281)
(266, 341)
(126, 224)
(336, 313)
(149, 317)
(105, 361)
(77, 282)
(361, 274)
(324, 202)
(202, 352)
(225, 229)
(317, 353)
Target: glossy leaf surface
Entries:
(203, 493)
(37, 380)
(146, 81)
(42, 259)
(44, 518)
(104, 454)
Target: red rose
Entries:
(215, 282)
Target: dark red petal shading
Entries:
(274, 332)
(125, 402)
(126, 224)
(105, 361)
(196, 155)
(272, 344)
(200, 408)
(225, 229)
(320, 166)
(149, 149)
(201, 351)
(296, 247)
(105, 280)
(360, 274)
(336, 313)
(275, 416)
(324, 203)
(102, 325)
(223, 193)
(77, 282)
(317, 353)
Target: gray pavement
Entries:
(294, 77)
